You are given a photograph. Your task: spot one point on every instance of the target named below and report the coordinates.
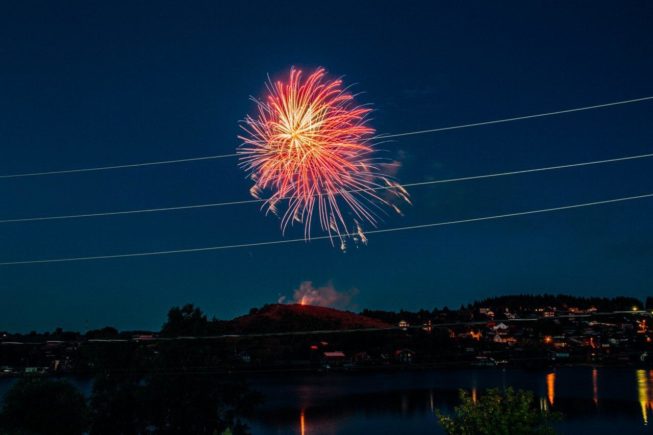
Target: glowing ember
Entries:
(309, 147)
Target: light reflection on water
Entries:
(406, 402)
(595, 386)
(592, 400)
(302, 423)
(551, 387)
(645, 392)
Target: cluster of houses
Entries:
(330, 359)
(535, 337)
(547, 335)
(558, 335)
(36, 358)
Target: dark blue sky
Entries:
(100, 83)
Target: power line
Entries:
(254, 201)
(280, 242)
(517, 118)
(128, 212)
(381, 136)
(106, 168)
(390, 328)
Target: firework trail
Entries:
(309, 150)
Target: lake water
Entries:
(593, 401)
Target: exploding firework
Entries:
(309, 150)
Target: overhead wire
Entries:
(381, 136)
(379, 231)
(288, 241)
(254, 201)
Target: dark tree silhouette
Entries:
(649, 303)
(108, 332)
(44, 407)
(183, 403)
(516, 302)
(189, 320)
(186, 320)
(118, 406)
(179, 389)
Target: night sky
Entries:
(100, 83)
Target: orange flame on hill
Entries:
(324, 296)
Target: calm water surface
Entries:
(593, 401)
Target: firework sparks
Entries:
(309, 147)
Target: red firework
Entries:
(310, 147)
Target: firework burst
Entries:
(309, 150)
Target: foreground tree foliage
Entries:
(118, 405)
(170, 403)
(43, 406)
(177, 392)
(498, 412)
(173, 401)
(189, 320)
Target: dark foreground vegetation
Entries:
(498, 412)
(168, 399)
(197, 405)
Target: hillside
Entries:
(295, 317)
